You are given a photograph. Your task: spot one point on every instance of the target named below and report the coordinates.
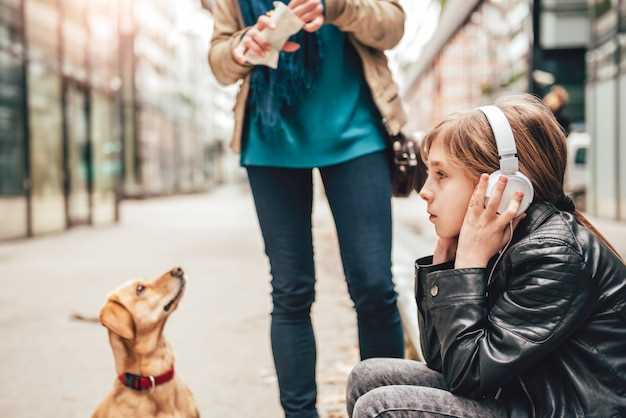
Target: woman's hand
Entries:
(311, 12)
(254, 43)
(484, 232)
(445, 250)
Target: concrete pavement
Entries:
(54, 366)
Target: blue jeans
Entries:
(359, 194)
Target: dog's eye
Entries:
(140, 289)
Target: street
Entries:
(57, 366)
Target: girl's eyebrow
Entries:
(434, 163)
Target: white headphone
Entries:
(509, 165)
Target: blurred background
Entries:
(114, 163)
(105, 100)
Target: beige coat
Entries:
(372, 26)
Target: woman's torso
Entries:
(335, 121)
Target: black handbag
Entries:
(408, 171)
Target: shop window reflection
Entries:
(13, 209)
(45, 117)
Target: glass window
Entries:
(604, 20)
(74, 39)
(106, 156)
(581, 156)
(44, 90)
(13, 208)
(11, 124)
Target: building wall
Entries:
(487, 57)
(169, 88)
(115, 99)
(606, 95)
(13, 196)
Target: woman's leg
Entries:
(283, 200)
(392, 388)
(359, 193)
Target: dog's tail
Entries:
(75, 316)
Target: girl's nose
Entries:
(426, 194)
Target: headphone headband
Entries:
(505, 141)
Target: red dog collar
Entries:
(137, 382)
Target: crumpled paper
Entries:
(287, 24)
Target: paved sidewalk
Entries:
(54, 366)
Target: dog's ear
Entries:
(117, 319)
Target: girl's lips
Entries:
(431, 217)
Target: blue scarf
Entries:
(274, 91)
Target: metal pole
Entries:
(28, 182)
(64, 116)
(121, 176)
(89, 115)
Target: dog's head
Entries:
(138, 310)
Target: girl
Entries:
(538, 330)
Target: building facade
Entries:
(606, 110)
(100, 100)
(485, 49)
(59, 150)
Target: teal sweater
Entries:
(335, 121)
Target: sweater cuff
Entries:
(446, 287)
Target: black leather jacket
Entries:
(547, 336)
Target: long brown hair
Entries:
(541, 147)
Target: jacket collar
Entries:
(536, 215)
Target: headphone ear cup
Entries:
(517, 182)
(523, 184)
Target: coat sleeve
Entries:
(227, 32)
(376, 23)
(429, 341)
(548, 296)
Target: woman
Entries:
(520, 315)
(323, 107)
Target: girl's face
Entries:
(447, 192)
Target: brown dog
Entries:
(147, 385)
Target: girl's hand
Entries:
(484, 232)
(445, 250)
(311, 12)
(254, 43)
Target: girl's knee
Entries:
(364, 377)
(373, 403)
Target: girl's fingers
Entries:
(315, 24)
(511, 213)
(477, 201)
(518, 219)
(494, 201)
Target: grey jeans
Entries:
(393, 388)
